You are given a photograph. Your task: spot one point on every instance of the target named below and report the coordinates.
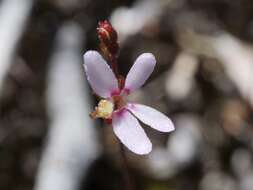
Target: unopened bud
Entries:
(106, 32)
(108, 37)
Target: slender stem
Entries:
(115, 66)
(125, 170)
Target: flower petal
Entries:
(151, 117)
(140, 71)
(131, 134)
(99, 74)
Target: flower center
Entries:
(105, 108)
(118, 101)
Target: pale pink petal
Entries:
(151, 117)
(140, 71)
(99, 74)
(131, 134)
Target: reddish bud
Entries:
(106, 32)
(108, 37)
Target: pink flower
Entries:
(114, 106)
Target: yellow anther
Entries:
(103, 110)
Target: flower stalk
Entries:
(109, 47)
(113, 89)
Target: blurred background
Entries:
(203, 81)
